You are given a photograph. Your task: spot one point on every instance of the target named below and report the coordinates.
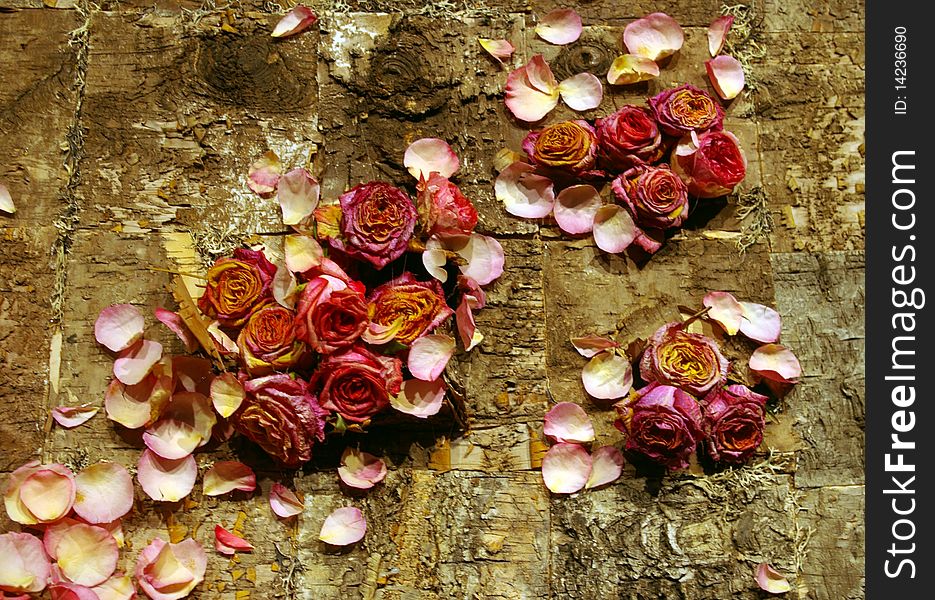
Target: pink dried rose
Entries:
(689, 361)
(332, 313)
(662, 423)
(656, 199)
(569, 147)
(443, 208)
(237, 286)
(628, 137)
(684, 109)
(734, 418)
(268, 341)
(356, 383)
(711, 165)
(419, 306)
(377, 221)
(281, 415)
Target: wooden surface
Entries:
(126, 131)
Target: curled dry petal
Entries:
(171, 571)
(176, 324)
(607, 376)
(606, 467)
(227, 394)
(575, 208)
(531, 90)
(228, 475)
(591, 345)
(419, 398)
(484, 255)
(776, 363)
(523, 193)
(760, 323)
(119, 326)
(104, 492)
(6, 201)
(725, 310)
(86, 554)
(285, 287)
(361, 470)
(614, 229)
(434, 259)
(467, 328)
(771, 580)
(581, 92)
(25, 566)
(561, 26)
(430, 155)
(344, 526)
(264, 174)
(298, 194)
(726, 75)
(500, 49)
(223, 342)
(566, 468)
(717, 33)
(135, 363)
(72, 416)
(166, 480)
(65, 590)
(296, 20)
(228, 544)
(567, 422)
(284, 502)
(133, 406)
(429, 355)
(654, 36)
(631, 68)
(303, 252)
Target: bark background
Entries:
(126, 130)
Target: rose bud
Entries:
(570, 146)
(628, 137)
(443, 208)
(711, 167)
(331, 314)
(268, 342)
(662, 423)
(684, 109)
(734, 418)
(281, 416)
(689, 361)
(356, 383)
(420, 304)
(236, 286)
(656, 199)
(376, 223)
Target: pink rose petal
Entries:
(561, 26)
(575, 208)
(540, 75)
(48, 493)
(86, 554)
(725, 310)
(223, 342)
(171, 571)
(717, 33)
(566, 468)
(284, 501)
(303, 252)
(25, 566)
(344, 526)
(430, 155)
(760, 323)
(104, 492)
(227, 394)
(607, 376)
(631, 68)
(11, 494)
(531, 90)
(419, 398)
(581, 92)
(228, 475)
(298, 194)
(654, 36)
(434, 259)
(361, 470)
(285, 287)
(500, 49)
(614, 229)
(771, 580)
(379, 334)
(726, 75)
(6, 201)
(175, 323)
(65, 590)
(567, 422)
(776, 363)
(135, 363)
(467, 328)
(296, 20)
(229, 544)
(166, 480)
(523, 193)
(118, 587)
(264, 174)
(606, 467)
(133, 406)
(119, 326)
(171, 438)
(484, 255)
(590, 345)
(73, 416)
(429, 355)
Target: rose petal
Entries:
(717, 33)
(228, 475)
(583, 91)
(590, 345)
(284, 502)
(86, 554)
(500, 49)
(223, 342)
(607, 376)
(379, 334)
(726, 75)
(166, 480)
(119, 326)
(303, 252)
(523, 193)
(227, 543)
(771, 580)
(575, 208)
(631, 68)
(567, 422)
(264, 174)
(654, 36)
(531, 90)
(227, 394)
(606, 467)
(540, 75)
(172, 438)
(296, 20)
(725, 310)
(419, 398)
(72, 416)
(430, 155)
(760, 323)
(776, 363)
(65, 590)
(171, 571)
(361, 470)
(429, 355)
(135, 363)
(614, 229)
(467, 329)
(484, 256)
(298, 194)
(118, 587)
(48, 493)
(25, 566)
(566, 468)
(285, 287)
(434, 259)
(561, 26)
(104, 492)
(344, 526)
(6, 201)
(177, 325)
(11, 497)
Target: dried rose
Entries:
(331, 314)
(419, 304)
(570, 146)
(734, 418)
(628, 137)
(663, 423)
(656, 199)
(443, 208)
(237, 286)
(268, 341)
(685, 109)
(376, 223)
(689, 361)
(356, 383)
(280, 414)
(712, 165)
